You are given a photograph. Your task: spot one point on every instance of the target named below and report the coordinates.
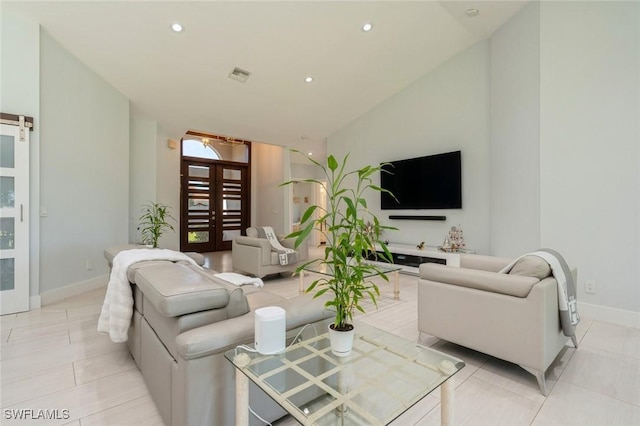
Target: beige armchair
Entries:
(512, 316)
(255, 255)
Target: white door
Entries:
(320, 196)
(14, 219)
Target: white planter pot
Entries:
(341, 341)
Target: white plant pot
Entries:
(341, 341)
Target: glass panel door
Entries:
(232, 184)
(215, 204)
(14, 219)
(198, 212)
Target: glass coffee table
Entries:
(324, 270)
(383, 377)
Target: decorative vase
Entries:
(341, 341)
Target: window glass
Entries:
(195, 148)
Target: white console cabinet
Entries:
(410, 257)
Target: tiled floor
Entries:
(53, 359)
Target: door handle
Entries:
(21, 213)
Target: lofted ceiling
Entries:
(180, 79)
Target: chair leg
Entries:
(540, 377)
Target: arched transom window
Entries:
(200, 149)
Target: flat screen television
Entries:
(431, 182)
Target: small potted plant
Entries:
(153, 223)
(352, 233)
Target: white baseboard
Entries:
(35, 302)
(73, 289)
(607, 314)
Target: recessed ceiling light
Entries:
(176, 27)
(472, 12)
(310, 154)
(308, 79)
(367, 27)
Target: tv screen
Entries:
(431, 182)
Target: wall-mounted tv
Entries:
(431, 182)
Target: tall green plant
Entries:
(352, 232)
(153, 222)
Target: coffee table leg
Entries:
(396, 285)
(242, 399)
(301, 289)
(446, 403)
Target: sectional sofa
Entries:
(184, 319)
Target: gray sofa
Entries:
(512, 316)
(255, 255)
(184, 320)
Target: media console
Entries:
(410, 257)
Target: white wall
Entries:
(589, 144)
(84, 160)
(168, 186)
(307, 170)
(20, 94)
(515, 135)
(270, 203)
(142, 169)
(154, 176)
(446, 110)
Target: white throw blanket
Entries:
(117, 308)
(237, 279)
(286, 256)
(567, 302)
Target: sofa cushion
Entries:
(252, 232)
(177, 290)
(531, 266)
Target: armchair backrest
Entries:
(484, 263)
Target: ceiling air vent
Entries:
(239, 75)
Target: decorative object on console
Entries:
(420, 246)
(352, 233)
(453, 241)
(153, 223)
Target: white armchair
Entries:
(513, 317)
(255, 255)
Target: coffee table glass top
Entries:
(324, 269)
(383, 377)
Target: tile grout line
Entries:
(75, 379)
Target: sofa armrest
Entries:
(511, 285)
(258, 247)
(254, 242)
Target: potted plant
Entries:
(153, 223)
(352, 232)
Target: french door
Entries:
(14, 218)
(214, 204)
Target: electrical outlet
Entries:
(89, 265)
(590, 287)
